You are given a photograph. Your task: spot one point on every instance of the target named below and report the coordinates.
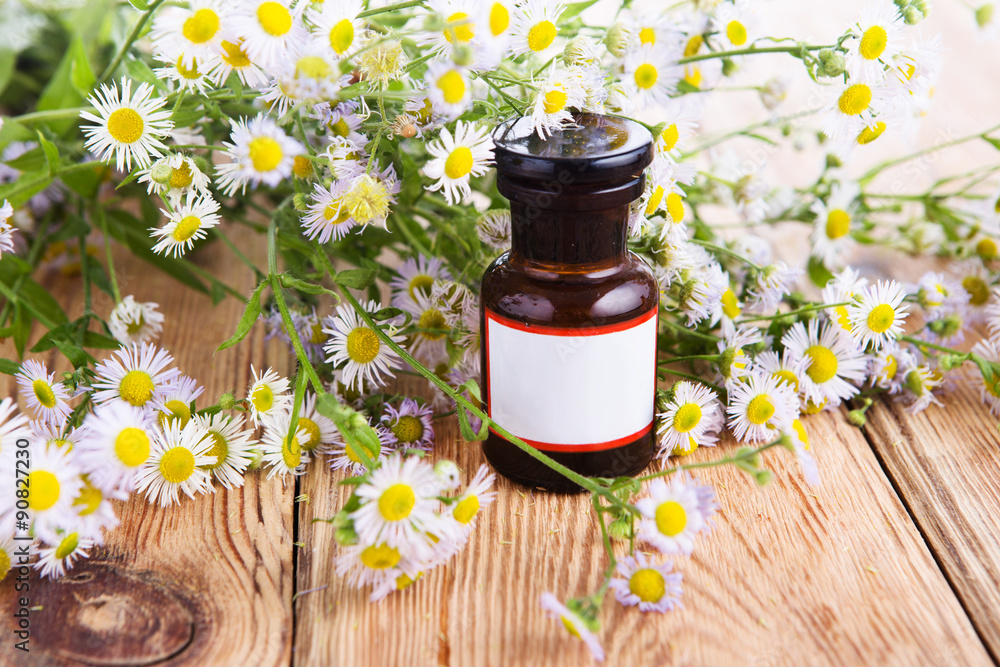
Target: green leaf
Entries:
(8, 367)
(32, 160)
(8, 59)
(60, 92)
(357, 278)
(99, 341)
(81, 76)
(140, 71)
(22, 329)
(819, 274)
(141, 5)
(992, 142)
(51, 153)
(574, 8)
(250, 315)
(26, 187)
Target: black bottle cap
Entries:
(596, 153)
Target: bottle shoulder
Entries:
(570, 298)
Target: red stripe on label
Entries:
(546, 330)
(590, 447)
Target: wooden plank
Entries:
(790, 575)
(208, 582)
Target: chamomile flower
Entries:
(555, 96)
(534, 29)
(45, 398)
(800, 444)
(94, 511)
(833, 361)
(268, 394)
(345, 457)
(772, 283)
(53, 436)
(232, 447)
(134, 321)
(449, 88)
(456, 160)
(461, 20)
(976, 280)
(682, 117)
(368, 197)
(701, 293)
(233, 58)
(271, 30)
(919, 383)
(734, 25)
(174, 175)
(885, 368)
(574, 623)
(190, 76)
(855, 108)
(875, 41)
(321, 432)
(195, 30)
(114, 444)
(376, 564)
(842, 289)
(409, 426)
(650, 73)
(642, 583)
(352, 343)
(53, 483)
(878, 314)
(416, 275)
(326, 219)
(650, 27)
(674, 512)
(785, 368)
(831, 239)
(342, 121)
(260, 153)
(135, 374)
(761, 407)
(177, 464)
(734, 363)
(283, 451)
(174, 404)
(188, 222)
(310, 78)
(430, 342)
(53, 561)
(475, 498)
(693, 410)
(398, 503)
(493, 229)
(130, 127)
(336, 26)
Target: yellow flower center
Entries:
(654, 200)
(380, 557)
(881, 318)
(274, 18)
(234, 55)
(43, 392)
(186, 228)
(302, 167)
(312, 429)
(349, 450)
(760, 409)
(873, 42)
(645, 76)
(262, 398)
(265, 153)
(736, 32)
(979, 291)
(43, 490)
(570, 626)
(342, 36)
(452, 86)
(187, 72)
(693, 45)
(554, 101)
(335, 214)
(125, 126)
(459, 25)
(291, 452)
(647, 36)
(692, 74)
(800, 431)
(421, 283)
(201, 26)
(541, 35)
(648, 585)
(787, 377)
(730, 306)
(408, 429)
(4, 564)
(670, 135)
(89, 499)
(499, 18)
(671, 518)
(855, 100)
(341, 128)
(814, 408)
(177, 465)
(136, 387)
(396, 502)
(675, 207)
(67, 546)
(132, 446)
(891, 366)
(432, 319)
(459, 163)
(987, 249)
(220, 450)
(824, 363)
(176, 410)
(313, 67)
(181, 177)
(362, 345)
(687, 417)
(843, 317)
(466, 510)
(870, 134)
(838, 223)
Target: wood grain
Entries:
(206, 582)
(790, 575)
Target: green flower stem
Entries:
(694, 378)
(49, 115)
(35, 253)
(940, 348)
(726, 251)
(877, 169)
(796, 49)
(580, 480)
(102, 224)
(257, 273)
(129, 41)
(679, 328)
(793, 313)
(391, 8)
(735, 458)
(690, 357)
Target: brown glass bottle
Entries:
(568, 315)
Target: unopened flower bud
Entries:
(463, 55)
(617, 40)
(831, 63)
(257, 458)
(912, 15)
(763, 477)
(300, 201)
(922, 5)
(202, 164)
(161, 173)
(621, 529)
(857, 417)
(578, 51)
(227, 401)
(729, 67)
(984, 15)
(448, 473)
(833, 162)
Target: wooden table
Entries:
(894, 560)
